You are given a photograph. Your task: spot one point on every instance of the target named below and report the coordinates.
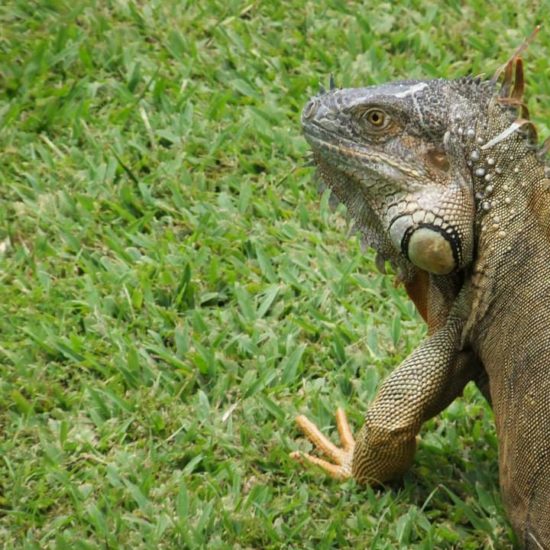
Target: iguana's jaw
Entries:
(350, 158)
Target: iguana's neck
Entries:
(503, 220)
(512, 223)
(509, 184)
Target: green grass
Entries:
(172, 294)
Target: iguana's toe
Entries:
(342, 457)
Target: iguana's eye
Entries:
(376, 118)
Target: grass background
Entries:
(172, 294)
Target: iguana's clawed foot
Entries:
(342, 457)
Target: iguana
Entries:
(445, 180)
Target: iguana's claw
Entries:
(342, 457)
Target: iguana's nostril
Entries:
(310, 109)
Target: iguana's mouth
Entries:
(343, 150)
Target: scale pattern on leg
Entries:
(425, 383)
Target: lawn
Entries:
(173, 290)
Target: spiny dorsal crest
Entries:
(512, 91)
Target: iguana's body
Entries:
(445, 183)
(509, 330)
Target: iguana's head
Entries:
(392, 154)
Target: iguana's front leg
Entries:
(422, 386)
